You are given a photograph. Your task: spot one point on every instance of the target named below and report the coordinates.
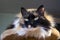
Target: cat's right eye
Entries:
(26, 19)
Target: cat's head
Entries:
(32, 20)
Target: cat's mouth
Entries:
(35, 26)
(29, 27)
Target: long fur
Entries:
(50, 18)
(55, 34)
(32, 32)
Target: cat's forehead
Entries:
(32, 11)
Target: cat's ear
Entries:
(41, 10)
(24, 12)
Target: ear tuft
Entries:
(41, 10)
(22, 8)
(41, 6)
(24, 12)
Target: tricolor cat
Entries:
(32, 24)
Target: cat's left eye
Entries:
(36, 18)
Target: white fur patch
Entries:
(16, 22)
(34, 32)
(22, 31)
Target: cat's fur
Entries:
(32, 23)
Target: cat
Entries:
(32, 23)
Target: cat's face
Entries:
(35, 20)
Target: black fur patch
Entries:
(10, 27)
(35, 23)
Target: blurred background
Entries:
(9, 8)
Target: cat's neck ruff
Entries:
(34, 32)
(38, 32)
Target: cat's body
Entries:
(31, 23)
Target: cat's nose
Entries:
(29, 26)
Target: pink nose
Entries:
(29, 26)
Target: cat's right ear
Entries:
(23, 11)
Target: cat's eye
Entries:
(42, 17)
(26, 19)
(36, 18)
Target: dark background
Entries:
(13, 6)
(9, 8)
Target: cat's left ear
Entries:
(41, 10)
